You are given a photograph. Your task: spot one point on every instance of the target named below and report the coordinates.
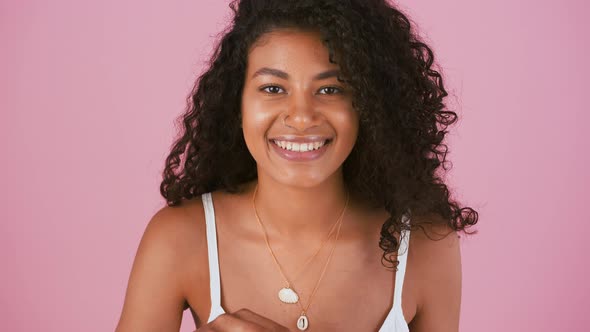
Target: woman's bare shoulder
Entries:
(433, 243)
(182, 229)
(436, 260)
(189, 213)
(186, 224)
(156, 291)
(181, 226)
(433, 228)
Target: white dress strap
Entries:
(214, 279)
(395, 320)
(402, 257)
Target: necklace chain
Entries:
(336, 225)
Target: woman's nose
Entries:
(302, 112)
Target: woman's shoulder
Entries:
(181, 224)
(435, 261)
(433, 243)
(182, 228)
(432, 230)
(160, 273)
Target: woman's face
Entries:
(297, 118)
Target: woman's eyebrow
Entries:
(281, 74)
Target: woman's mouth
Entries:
(300, 151)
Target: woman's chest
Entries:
(348, 291)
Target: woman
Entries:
(311, 148)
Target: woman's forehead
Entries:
(289, 48)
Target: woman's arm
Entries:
(154, 298)
(440, 283)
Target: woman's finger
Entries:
(242, 320)
(267, 324)
(231, 322)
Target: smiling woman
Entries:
(311, 147)
(292, 101)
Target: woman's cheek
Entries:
(256, 121)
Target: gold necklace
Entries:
(287, 294)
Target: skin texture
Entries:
(298, 203)
(311, 107)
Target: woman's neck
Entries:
(290, 212)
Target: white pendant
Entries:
(302, 323)
(287, 295)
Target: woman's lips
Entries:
(298, 155)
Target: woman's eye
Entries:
(272, 89)
(330, 90)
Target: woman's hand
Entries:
(242, 320)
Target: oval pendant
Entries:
(287, 295)
(302, 323)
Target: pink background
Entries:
(89, 91)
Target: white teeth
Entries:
(299, 147)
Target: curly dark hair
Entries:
(399, 158)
